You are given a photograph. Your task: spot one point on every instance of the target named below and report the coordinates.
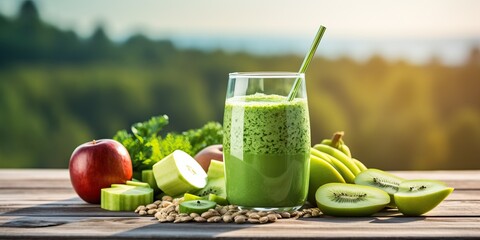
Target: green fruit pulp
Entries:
(343, 199)
(417, 197)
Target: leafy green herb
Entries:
(146, 147)
(211, 133)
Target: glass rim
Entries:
(267, 74)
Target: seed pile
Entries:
(167, 210)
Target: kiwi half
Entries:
(350, 200)
(214, 186)
(381, 180)
(416, 197)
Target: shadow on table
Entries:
(89, 220)
(383, 217)
(182, 230)
(55, 213)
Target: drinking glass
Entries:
(266, 142)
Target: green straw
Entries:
(306, 62)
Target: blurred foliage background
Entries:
(58, 90)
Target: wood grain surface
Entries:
(41, 204)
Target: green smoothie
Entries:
(266, 150)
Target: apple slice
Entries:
(416, 197)
(179, 173)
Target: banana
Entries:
(337, 142)
(321, 172)
(359, 164)
(339, 166)
(347, 161)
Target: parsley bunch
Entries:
(146, 146)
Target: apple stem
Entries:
(94, 142)
(336, 138)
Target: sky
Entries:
(373, 23)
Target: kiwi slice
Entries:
(350, 200)
(196, 206)
(214, 186)
(381, 180)
(416, 197)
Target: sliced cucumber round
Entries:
(125, 198)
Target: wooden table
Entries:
(42, 204)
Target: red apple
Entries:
(96, 165)
(204, 157)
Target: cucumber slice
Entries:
(196, 206)
(118, 185)
(179, 173)
(137, 184)
(125, 198)
(147, 176)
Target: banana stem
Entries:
(336, 139)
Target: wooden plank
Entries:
(326, 228)
(59, 178)
(38, 174)
(68, 208)
(39, 194)
(42, 204)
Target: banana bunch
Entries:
(331, 161)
